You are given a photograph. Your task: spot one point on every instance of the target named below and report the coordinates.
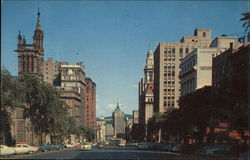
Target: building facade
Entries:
(146, 96)
(135, 117)
(72, 91)
(100, 130)
(30, 56)
(90, 104)
(196, 70)
(167, 58)
(119, 122)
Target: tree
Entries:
(11, 96)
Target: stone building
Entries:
(100, 130)
(196, 70)
(90, 104)
(167, 58)
(196, 67)
(72, 91)
(30, 60)
(135, 117)
(30, 56)
(119, 122)
(146, 96)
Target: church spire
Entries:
(38, 25)
(38, 35)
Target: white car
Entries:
(24, 148)
(69, 145)
(86, 146)
(121, 144)
(5, 150)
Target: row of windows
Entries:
(170, 73)
(172, 50)
(169, 90)
(188, 65)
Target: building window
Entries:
(204, 34)
(181, 50)
(187, 50)
(173, 50)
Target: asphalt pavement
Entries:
(109, 152)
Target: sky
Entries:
(112, 37)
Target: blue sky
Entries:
(112, 37)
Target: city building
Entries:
(109, 131)
(52, 71)
(135, 117)
(146, 96)
(72, 91)
(128, 128)
(167, 58)
(230, 68)
(119, 122)
(100, 130)
(90, 104)
(196, 70)
(196, 67)
(30, 56)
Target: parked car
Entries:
(24, 148)
(86, 146)
(213, 150)
(167, 147)
(69, 145)
(156, 146)
(6, 151)
(121, 144)
(145, 145)
(100, 145)
(43, 148)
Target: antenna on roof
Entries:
(56, 54)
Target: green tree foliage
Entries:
(137, 132)
(11, 96)
(41, 103)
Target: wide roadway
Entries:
(109, 152)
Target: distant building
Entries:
(109, 129)
(128, 128)
(90, 104)
(135, 117)
(167, 59)
(119, 123)
(146, 96)
(100, 130)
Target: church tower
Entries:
(31, 56)
(149, 67)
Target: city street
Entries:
(109, 152)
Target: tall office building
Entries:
(119, 122)
(72, 91)
(167, 58)
(90, 104)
